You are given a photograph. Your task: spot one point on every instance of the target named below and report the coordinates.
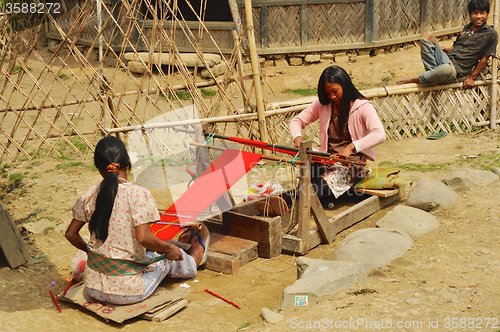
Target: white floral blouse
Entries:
(134, 205)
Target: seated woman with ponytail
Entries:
(126, 262)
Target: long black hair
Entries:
(108, 151)
(336, 74)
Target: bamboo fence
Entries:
(61, 102)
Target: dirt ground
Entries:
(446, 282)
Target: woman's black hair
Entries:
(336, 74)
(478, 5)
(109, 150)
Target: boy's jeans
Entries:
(438, 66)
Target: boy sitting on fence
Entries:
(466, 58)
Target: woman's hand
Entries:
(296, 142)
(347, 151)
(149, 241)
(173, 253)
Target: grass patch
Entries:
(244, 326)
(18, 69)
(34, 163)
(181, 95)
(79, 144)
(64, 77)
(363, 86)
(483, 161)
(417, 167)
(208, 93)
(69, 165)
(16, 177)
(302, 92)
(3, 167)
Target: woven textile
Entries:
(117, 267)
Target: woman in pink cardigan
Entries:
(348, 127)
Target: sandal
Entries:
(439, 135)
(201, 232)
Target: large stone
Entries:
(318, 278)
(271, 316)
(137, 67)
(312, 58)
(409, 220)
(373, 247)
(217, 70)
(281, 63)
(466, 178)
(296, 61)
(429, 194)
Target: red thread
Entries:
(70, 283)
(55, 301)
(223, 299)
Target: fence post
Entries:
(494, 83)
(369, 21)
(423, 16)
(254, 59)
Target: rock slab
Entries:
(373, 248)
(429, 194)
(318, 278)
(466, 178)
(409, 220)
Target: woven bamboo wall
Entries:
(61, 103)
(290, 26)
(342, 23)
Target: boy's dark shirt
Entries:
(469, 48)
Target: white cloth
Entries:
(177, 269)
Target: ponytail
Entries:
(110, 154)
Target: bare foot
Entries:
(196, 251)
(411, 79)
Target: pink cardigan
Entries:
(365, 127)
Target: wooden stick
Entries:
(298, 162)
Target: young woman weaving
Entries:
(348, 128)
(124, 262)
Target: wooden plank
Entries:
(303, 214)
(361, 45)
(222, 263)
(321, 220)
(245, 250)
(11, 241)
(378, 192)
(345, 219)
(354, 214)
(166, 311)
(257, 3)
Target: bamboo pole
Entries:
(256, 74)
(272, 158)
(228, 118)
(494, 70)
(235, 13)
(240, 67)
